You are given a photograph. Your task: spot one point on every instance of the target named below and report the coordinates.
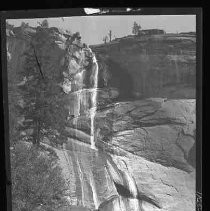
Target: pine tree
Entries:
(44, 102)
(37, 182)
(110, 35)
(44, 24)
(24, 25)
(105, 39)
(13, 94)
(136, 28)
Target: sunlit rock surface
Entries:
(143, 157)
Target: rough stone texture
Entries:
(151, 66)
(158, 135)
(154, 137)
(161, 131)
(173, 188)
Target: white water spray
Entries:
(94, 102)
(92, 119)
(80, 107)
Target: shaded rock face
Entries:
(160, 131)
(144, 154)
(121, 79)
(153, 66)
(159, 136)
(150, 140)
(16, 47)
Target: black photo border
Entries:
(47, 13)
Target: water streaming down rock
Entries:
(93, 109)
(158, 165)
(133, 202)
(81, 95)
(94, 100)
(83, 102)
(92, 118)
(84, 155)
(130, 202)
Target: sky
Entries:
(94, 28)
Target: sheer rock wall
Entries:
(144, 145)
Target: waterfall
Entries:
(80, 99)
(133, 203)
(83, 102)
(92, 118)
(94, 101)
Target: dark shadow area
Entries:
(120, 79)
(192, 156)
(123, 191)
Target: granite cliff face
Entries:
(123, 153)
(152, 66)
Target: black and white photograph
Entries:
(102, 112)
